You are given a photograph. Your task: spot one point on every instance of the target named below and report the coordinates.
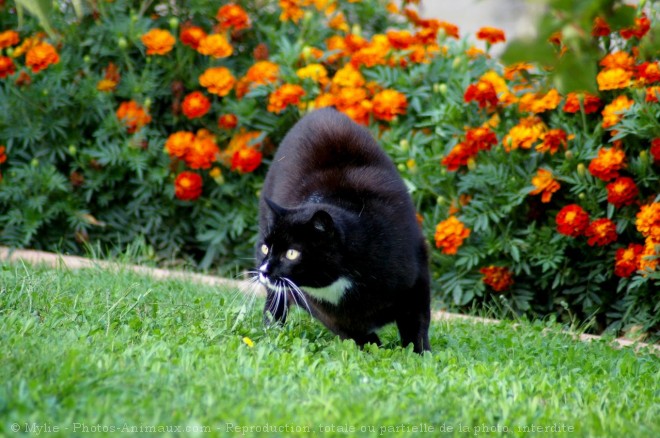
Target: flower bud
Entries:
(34, 162)
(404, 145)
(471, 163)
(72, 150)
(401, 167)
(582, 196)
(174, 23)
(356, 30)
(307, 53)
(10, 52)
(644, 157)
(581, 169)
(442, 89)
(147, 103)
(440, 200)
(122, 43)
(569, 155)
(457, 62)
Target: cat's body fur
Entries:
(333, 196)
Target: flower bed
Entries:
(158, 124)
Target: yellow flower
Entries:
(545, 185)
(538, 103)
(648, 221)
(315, 72)
(612, 79)
(249, 342)
(525, 134)
(612, 112)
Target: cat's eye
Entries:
(292, 254)
(264, 249)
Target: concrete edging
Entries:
(74, 262)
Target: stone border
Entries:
(75, 262)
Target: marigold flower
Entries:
(545, 185)
(459, 156)
(553, 140)
(481, 138)
(216, 46)
(614, 60)
(538, 102)
(3, 155)
(655, 150)
(192, 35)
(158, 41)
(41, 56)
(613, 79)
(591, 103)
(491, 35)
(387, 104)
(641, 27)
(372, 55)
(263, 72)
(131, 114)
(227, 121)
(217, 80)
(572, 220)
(178, 144)
(195, 105)
(627, 260)
(648, 72)
(110, 79)
(623, 191)
(648, 221)
(7, 67)
(350, 96)
(483, 93)
(497, 277)
(476, 139)
(527, 132)
(348, 76)
(648, 260)
(9, 38)
(607, 164)
(600, 28)
(232, 15)
(291, 10)
(203, 151)
(612, 113)
(601, 232)
(338, 22)
(188, 186)
(287, 94)
(240, 140)
(400, 39)
(652, 94)
(315, 72)
(450, 234)
(246, 160)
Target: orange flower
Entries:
(627, 260)
(338, 22)
(618, 60)
(649, 258)
(600, 28)
(652, 94)
(545, 185)
(608, 163)
(227, 121)
(613, 79)
(188, 186)
(601, 232)
(648, 221)
(591, 103)
(388, 104)
(158, 41)
(497, 277)
(262, 72)
(348, 76)
(450, 234)
(623, 191)
(133, 116)
(648, 72)
(232, 15)
(491, 35)
(315, 72)
(240, 140)
(203, 151)
(373, 54)
(400, 39)
(324, 100)
(3, 155)
(538, 102)
(195, 105)
(110, 79)
(655, 150)
(41, 56)
(459, 156)
(178, 144)
(287, 94)
(9, 38)
(291, 10)
(192, 35)
(527, 132)
(641, 27)
(553, 140)
(217, 80)
(572, 220)
(216, 46)
(612, 113)
(246, 160)
(483, 93)
(7, 67)
(516, 70)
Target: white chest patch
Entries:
(331, 293)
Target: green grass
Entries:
(93, 350)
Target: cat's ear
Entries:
(278, 210)
(323, 222)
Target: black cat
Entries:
(338, 234)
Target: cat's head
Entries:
(302, 245)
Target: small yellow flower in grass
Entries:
(249, 342)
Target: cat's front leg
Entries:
(276, 308)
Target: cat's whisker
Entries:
(295, 290)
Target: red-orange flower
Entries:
(3, 155)
(641, 27)
(539, 102)
(483, 93)
(649, 258)
(623, 191)
(287, 94)
(652, 94)
(232, 15)
(178, 143)
(497, 277)
(476, 139)
(591, 103)
(291, 10)
(608, 163)
(601, 232)
(450, 234)
(400, 39)
(111, 78)
(648, 72)
(527, 132)
(553, 140)
(227, 121)
(7, 67)
(217, 80)
(620, 59)
(203, 151)
(132, 115)
(192, 35)
(158, 41)
(246, 160)
(655, 150)
(387, 104)
(9, 38)
(545, 185)
(195, 105)
(572, 220)
(612, 113)
(627, 260)
(648, 221)
(613, 79)
(188, 186)
(600, 28)
(491, 35)
(458, 156)
(41, 56)
(215, 45)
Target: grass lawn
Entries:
(96, 350)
